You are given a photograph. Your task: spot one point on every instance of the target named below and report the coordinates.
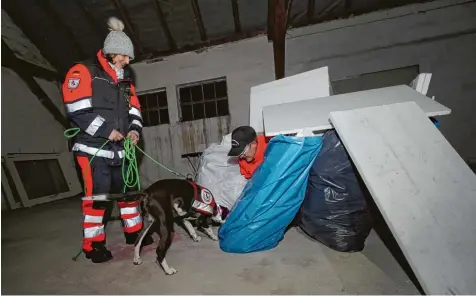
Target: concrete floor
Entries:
(38, 244)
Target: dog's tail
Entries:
(128, 196)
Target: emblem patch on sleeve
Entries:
(73, 83)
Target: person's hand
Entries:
(134, 137)
(115, 136)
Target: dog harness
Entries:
(203, 200)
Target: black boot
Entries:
(99, 253)
(132, 237)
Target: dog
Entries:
(170, 201)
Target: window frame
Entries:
(66, 163)
(150, 92)
(203, 102)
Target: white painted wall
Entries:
(439, 36)
(27, 126)
(244, 64)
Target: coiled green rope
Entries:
(131, 175)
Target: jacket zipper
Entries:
(118, 126)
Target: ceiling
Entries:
(67, 31)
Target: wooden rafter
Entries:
(270, 30)
(16, 65)
(11, 8)
(125, 18)
(165, 25)
(199, 20)
(236, 16)
(157, 55)
(310, 10)
(280, 38)
(277, 33)
(32, 69)
(99, 30)
(55, 17)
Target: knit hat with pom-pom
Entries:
(117, 42)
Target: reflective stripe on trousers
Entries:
(129, 210)
(130, 215)
(93, 219)
(131, 222)
(93, 232)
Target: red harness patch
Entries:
(203, 200)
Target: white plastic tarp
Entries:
(220, 173)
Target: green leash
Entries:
(131, 175)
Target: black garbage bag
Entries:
(334, 211)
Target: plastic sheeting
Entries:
(221, 174)
(334, 211)
(272, 197)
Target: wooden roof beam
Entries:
(236, 16)
(55, 17)
(158, 55)
(99, 30)
(32, 69)
(199, 20)
(271, 10)
(279, 37)
(310, 10)
(165, 25)
(19, 20)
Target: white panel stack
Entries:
(423, 188)
(304, 86)
(314, 114)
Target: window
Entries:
(205, 99)
(154, 108)
(375, 80)
(41, 177)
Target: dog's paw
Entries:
(138, 261)
(170, 271)
(197, 238)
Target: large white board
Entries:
(314, 114)
(303, 86)
(423, 188)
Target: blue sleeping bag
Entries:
(272, 197)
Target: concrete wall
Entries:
(244, 64)
(439, 36)
(27, 126)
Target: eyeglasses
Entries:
(244, 151)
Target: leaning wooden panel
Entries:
(422, 187)
(313, 114)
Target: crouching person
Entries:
(100, 99)
(249, 148)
